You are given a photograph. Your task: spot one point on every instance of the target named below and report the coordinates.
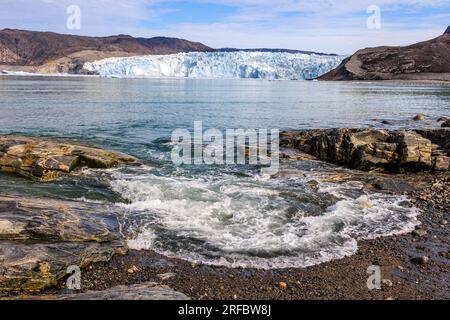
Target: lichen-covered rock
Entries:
(41, 238)
(45, 160)
(368, 149)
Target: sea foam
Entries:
(246, 222)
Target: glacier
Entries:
(239, 64)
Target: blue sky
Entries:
(320, 25)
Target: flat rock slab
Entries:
(41, 238)
(45, 160)
(24, 218)
(144, 291)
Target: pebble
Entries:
(282, 285)
(387, 283)
(133, 269)
(166, 276)
(420, 233)
(421, 260)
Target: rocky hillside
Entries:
(429, 60)
(52, 52)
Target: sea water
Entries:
(220, 215)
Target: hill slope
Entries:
(52, 52)
(429, 60)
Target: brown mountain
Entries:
(429, 60)
(51, 52)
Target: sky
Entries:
(332, 26)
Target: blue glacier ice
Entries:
(240, 64)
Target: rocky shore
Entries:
(40, 237)
(45, 160)
(374, 149)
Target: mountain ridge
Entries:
(423, 61)
(51, 52)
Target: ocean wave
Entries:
(256, 223)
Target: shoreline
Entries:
(414, 265)
(394, 81)
(344, 279)
(9, 73)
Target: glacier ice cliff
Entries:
(240, 64)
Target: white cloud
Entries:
(325, 25)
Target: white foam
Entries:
(245, 222)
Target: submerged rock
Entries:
(45, 160)
(419, 117)
(41, 238)
(369, 149)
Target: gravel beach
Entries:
(414, 266)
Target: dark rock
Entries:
(413, 148)
(394, 185)
(421, 260)
(440, 137)
(41, 238)
(25, 266)
(144, 291)
(446, 124)
(368, 149)
(54, 220)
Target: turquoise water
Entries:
(226, 215)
